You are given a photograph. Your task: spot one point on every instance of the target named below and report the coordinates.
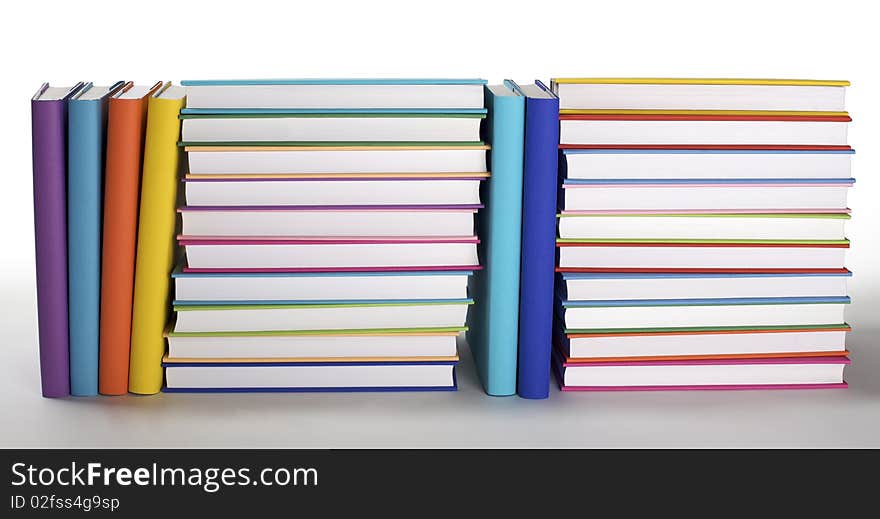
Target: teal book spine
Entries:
(495, 318)
(87, 120)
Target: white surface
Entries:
(756, 38)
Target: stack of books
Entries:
(328, 231)
(701, 237)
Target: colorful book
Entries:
(322, 94)
(155, 240)
(703, 374)
(699, 95)
(87, 121)
(49, 141)
(321, 376)
(126, 122)
(538, 236)
(494, 322)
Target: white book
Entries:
(599, 287)
(331, 94)
(334, 286)
(242, 255)
(688, 197)
(670, 257)
(314, 346)
(703, 227)
(702, 374)
(684, 132)
(611, 346)
(305, 377)
(295, 161)
(706, 164)
(282, 317)
(623, 96)
(325, 222)
(339, 129)
(675, 316)
(307, 192)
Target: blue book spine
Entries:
(87, 125)
(540, 187)
(495, 318)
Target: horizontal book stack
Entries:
(701, 236)
(329, 236)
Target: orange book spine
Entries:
(126, 121)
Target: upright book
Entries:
(494, 322)
(49, 141)
(155, 241)
(87, 123)
(126, 121)
(540, 186)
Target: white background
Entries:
(64, 42)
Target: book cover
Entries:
(494, 321)
(540, 186)
(155, 241)
(49, 148)
(126, 122)
(87, 123)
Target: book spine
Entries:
(540, 187)
(125, 140)
(155, 245)
(500, 231)
(85, 152)
(49, 134)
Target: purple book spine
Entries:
(48, 119)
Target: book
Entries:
(288, 94)
(329, 254)
(87, 126)
(708, 342)
(779, 373)
(694, 196)
(716, 164)
(683, 313)
(694, 226)
(537, 260)
(155, 239)
(313, 345)
(317, 221)
(233, 192)
(311, 376)
(333, 127)
(701, 256)
(608, 286)
(494, 321)
(126, 122)
(290, 160)
(338, 286)
(49, 148)
(319, 315)
(599, 130)
(695, 94)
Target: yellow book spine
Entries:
(155, 245)
(700, 81)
